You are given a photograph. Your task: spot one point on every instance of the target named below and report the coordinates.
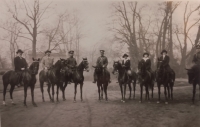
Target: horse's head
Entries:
(34, 67)
(159, 68)
(98, 69)
(85, 64)
(116, 66)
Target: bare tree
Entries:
(33, 17)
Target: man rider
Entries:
(102, 61)
(20, 65)
(71, 63)
(47, 62)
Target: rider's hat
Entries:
(102, 51)
(19, 51)
(164, 51)
(125, 55)
(85, 59)
(48, 51)
(71, 52)
(146, 53)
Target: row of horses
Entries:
(60, 75)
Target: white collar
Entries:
(145, 59)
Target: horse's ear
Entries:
(33, 59)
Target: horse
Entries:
(78, 77)
(102, 81)
(52, 77)
(167, 80)
(28, 79)
(145, 79)
(123, 79)
(194, 79)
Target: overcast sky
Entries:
(95, 16)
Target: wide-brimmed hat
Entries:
(164, 51)
(125, 55)
(48, 51)
(19, 50)
(71, 52)
(102, 51)
(146, 53)
(85, 59)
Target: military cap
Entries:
(146, 53)
(47, 51)
(19, 50)
(125, 55)
(164, 51)
(71, 52)
(85, 59)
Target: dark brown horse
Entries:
(28, 79)
(102, 81)
(52, 77)
(145, 79)
(167, 80)
(78, 77)
(123, 79)
(194, 79)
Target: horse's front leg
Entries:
(81, 89)
(194, 92)
(42, 90)
(63, 91)
(105, 91)
(141, 92)
(32, 94)
(48, 90)
(168, 87)
(130, 89)
(121, 91)
(165, 91)
(171, 88)
(57, 92)
(102, 91)
(75, 91)
(52, 93)
(98, 85)
(158, 84)
(25, 94)
(124, 92)
(11, 92)
(134, 85)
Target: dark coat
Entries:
(196, 58)
(71, 62)
(127, 64)
(147, 64)
(102, 61)
(165, 61)
(20, 63)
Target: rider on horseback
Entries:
(47, 62)
(71, 63)
(20, 64)
(147, 63)
(102, 61)
(126, 63)
(165, 62)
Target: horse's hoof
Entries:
(74, 101)
(123, 101)
(158, 102)
(25, 105)
(64, 99)
(34, 104)
(166, 103)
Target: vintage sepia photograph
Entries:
(99, 63)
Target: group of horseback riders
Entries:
(102, 61)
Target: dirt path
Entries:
(92, 113)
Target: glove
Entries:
(22, 69)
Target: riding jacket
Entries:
(127, 64)
(19, 63)
(71, 62)
(102, 61)
(196, 58)
(47, 62)
(147, 63)
(165, 61)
